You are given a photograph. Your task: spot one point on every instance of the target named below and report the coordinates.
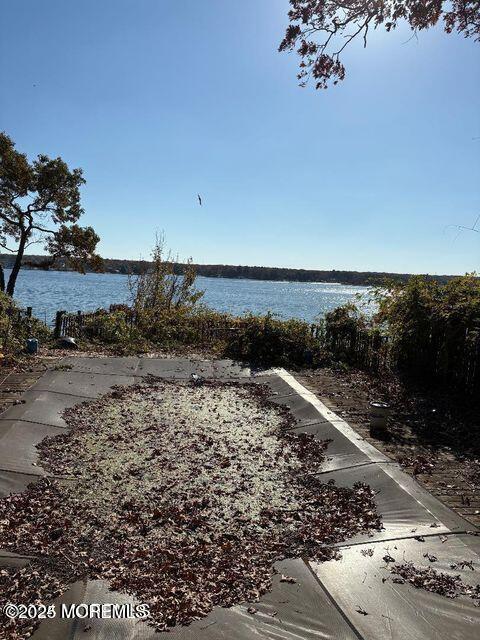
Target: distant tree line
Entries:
(359, 278)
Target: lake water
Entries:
(49, 291)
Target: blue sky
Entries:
(157, 100)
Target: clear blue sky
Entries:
(157, 100)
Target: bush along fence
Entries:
(73, 324)
(17, 325)
(268, 341)
(257, 339)
(101, 324)
(14, 325)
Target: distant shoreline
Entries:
(239, 272)
(115, 273)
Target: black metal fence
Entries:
(78, 324)
(71, 324)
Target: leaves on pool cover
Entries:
(362, 611)
(434, 581)
(430, 557)
(182, 496)
(26, 585)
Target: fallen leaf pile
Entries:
(35, 586)
(181, 495)
(434, 581)
(419, 464)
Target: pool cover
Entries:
(356, 596)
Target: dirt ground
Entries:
(435, 439)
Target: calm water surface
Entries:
(49, 291)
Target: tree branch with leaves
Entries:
(320, 30)
(40, 204)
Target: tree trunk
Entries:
(16, 267)
(2, 278)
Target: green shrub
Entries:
(266, 341)
(434, 329)
(16, 327)
(261, 340)
(428, 332)
(111, 328)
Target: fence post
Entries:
(58, 324)
(79, 324)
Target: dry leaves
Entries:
(183, 496)
(435, 581)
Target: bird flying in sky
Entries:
(199, 199)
